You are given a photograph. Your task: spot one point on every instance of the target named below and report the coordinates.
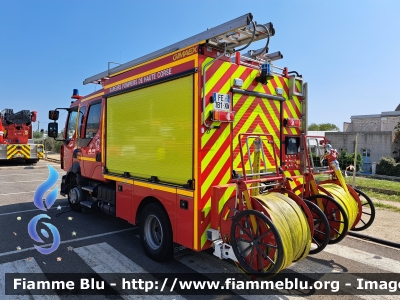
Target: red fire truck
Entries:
(176, 141)
(16, 140)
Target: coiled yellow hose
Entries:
(348, 203)
(292, 226)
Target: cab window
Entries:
(71, 126)
(93, 121)
(80, 121)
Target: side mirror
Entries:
(52, 130)
(54, 114)
(33, 116)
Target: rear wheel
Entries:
(156, 233)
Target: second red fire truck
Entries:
(16, 136)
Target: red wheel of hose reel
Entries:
(321, 233)
(334, 212)
(367, 215)
(259, 250)
(229, 211)
(236, 230)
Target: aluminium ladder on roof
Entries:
(231, 34)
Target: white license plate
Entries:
(221, 102)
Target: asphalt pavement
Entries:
(96, 243)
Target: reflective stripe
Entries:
(253, 115)
(86, 158)
(151, 186)
(22, 151)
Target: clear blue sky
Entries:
(348, 51)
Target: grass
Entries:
(375, 183)
(379, 190)
(386, 206)
(381, 196)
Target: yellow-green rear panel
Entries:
(150, 132)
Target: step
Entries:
(88, 188)
(88, 204)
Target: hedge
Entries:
(388, 166)
(50, 144)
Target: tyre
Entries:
(156, 233)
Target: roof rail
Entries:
(231, 34)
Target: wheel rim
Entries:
(73, 196)
(258, 251)
(153, 232)
(320, 236)
(334, 212)
(367, 214)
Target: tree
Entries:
(396, 142)
(53, 144)
(313, 127)
(37, 135)
(347, 159)
(323, 127)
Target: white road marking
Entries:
(68, 241)
(310, 267)
(22, 266)
(370, 259)
(17, 193)
(12, 182)
(28, 174)
(103, 258)
(28, 210)
(204, 263)
(8, 175)
(40, 167)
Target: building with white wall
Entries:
(375, 135)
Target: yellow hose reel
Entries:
(270, 236)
